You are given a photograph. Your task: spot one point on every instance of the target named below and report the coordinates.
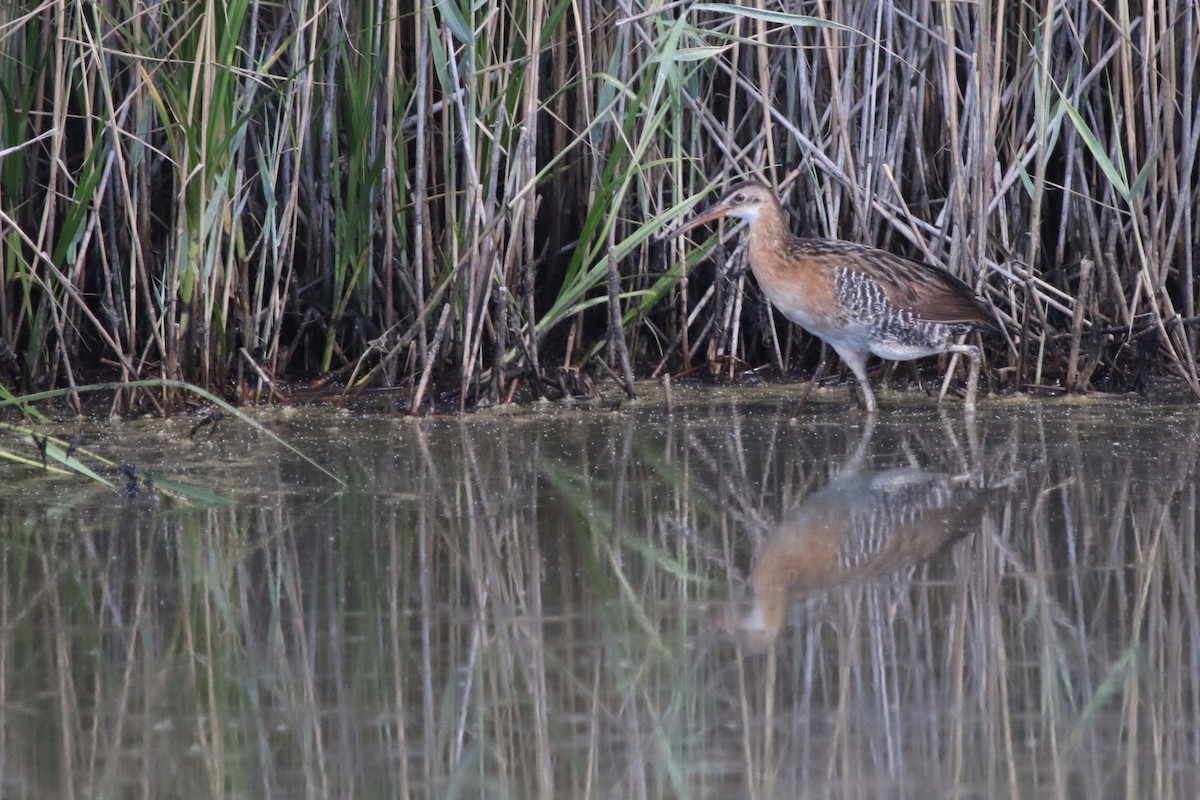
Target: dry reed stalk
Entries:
(616, 330)
(1081, 304)
(434, 347)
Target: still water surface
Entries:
(731, 601)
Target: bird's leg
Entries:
(869, 404)
(972, 380)
(974, 358)
(857, 362)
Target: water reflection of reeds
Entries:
(526, 609)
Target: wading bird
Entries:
(858, 299)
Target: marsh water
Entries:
(739, 599)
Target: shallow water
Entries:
(725, 602)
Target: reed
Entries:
(238, 194)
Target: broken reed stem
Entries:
(1081, 304)
(273, 390)
(818, 373)
(616, 330)
(436, 345)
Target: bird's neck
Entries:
(769, 232)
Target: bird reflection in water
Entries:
(864, 524)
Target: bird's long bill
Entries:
(715, 211)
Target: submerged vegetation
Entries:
(445, 199)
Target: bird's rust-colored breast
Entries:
(797, 282)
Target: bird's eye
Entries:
(739, 198)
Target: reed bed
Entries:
(245, 195)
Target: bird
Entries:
(858, 299)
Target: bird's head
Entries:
(744, 200)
